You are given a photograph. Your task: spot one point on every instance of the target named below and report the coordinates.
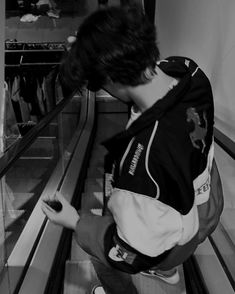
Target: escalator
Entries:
(66, 156)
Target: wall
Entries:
(204, 31)
(2, 44)
(2, 28)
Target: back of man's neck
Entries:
(144, 96)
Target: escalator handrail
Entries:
(224, 142)
(13, 153)
(195, 282)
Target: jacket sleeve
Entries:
(210, 211)
(93, 233)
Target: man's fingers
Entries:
(48, 211)
(60, 197)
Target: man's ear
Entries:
(148, 74)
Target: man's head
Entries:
(112, 45)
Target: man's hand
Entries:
(67, 217)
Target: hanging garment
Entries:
(40, 96)
(11, 130)
(58, 90)
(14, 94)
(49, 90)
(24, 106)
(31, 96)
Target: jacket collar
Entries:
(157, 111)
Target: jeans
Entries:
(112, 280)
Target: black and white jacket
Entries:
(162, 172)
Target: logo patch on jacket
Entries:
(200, 128)
(135, 159)
(117, 254)
(203, 188)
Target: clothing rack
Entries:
(21, 54)
(31, 73)
(38, 68)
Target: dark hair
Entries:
(116, 43)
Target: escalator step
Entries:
(21, 199)
(96, 161)
(21, 186)
(95, 172)
(91, 200)
(94, 185)
(30, 164)
(25, 172)
(42, 147)
(80, 277)
(12, 219)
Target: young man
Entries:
(167, 194)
